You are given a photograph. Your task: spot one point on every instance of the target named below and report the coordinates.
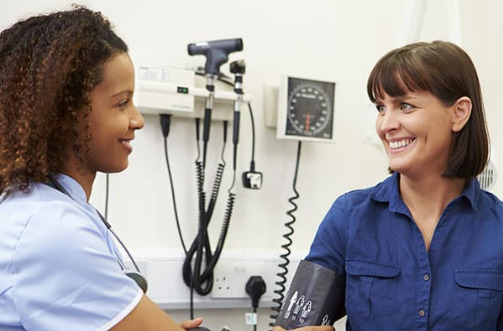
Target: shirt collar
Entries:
(388, 191)
(74, 189)
(472, 192)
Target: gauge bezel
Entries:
(287, 128)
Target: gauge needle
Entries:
(307, 122)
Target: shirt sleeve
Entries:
(329, 245)
(66, 278)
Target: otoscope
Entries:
(238, 68)
(216, 53)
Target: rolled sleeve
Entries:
(329, 245)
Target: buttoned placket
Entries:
(423, 290)
(423, 284)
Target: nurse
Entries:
(421, 250)
(66, 112)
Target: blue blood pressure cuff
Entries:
(315, 297)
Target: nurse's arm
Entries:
(147, 316)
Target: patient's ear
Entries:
(461, 111)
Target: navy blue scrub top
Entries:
(392, 283)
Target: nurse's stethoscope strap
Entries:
(136, 276)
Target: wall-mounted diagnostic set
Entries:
(172, 92)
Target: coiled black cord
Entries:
(201, 246)
(216, 188)
(194, 275)
(286, 261)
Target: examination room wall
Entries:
(334, 40)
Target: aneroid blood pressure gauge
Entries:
(306, 109)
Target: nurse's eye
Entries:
(124, 103)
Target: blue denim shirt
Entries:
(392, 283)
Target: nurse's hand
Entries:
(187, 325)
(308, 328)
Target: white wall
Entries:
(337, 39)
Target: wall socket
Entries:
(230, 278)
(235, 267)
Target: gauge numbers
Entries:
(309, 113)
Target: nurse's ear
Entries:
(461, 111)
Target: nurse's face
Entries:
(416, 132)
(114, 118)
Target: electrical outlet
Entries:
(232, 272)
(228, 281)
(230, 278)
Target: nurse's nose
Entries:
(136, 121)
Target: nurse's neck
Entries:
(84, 177)
(86, 181)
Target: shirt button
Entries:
(426, 277)
(421, 313)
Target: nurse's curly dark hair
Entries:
(49, 64)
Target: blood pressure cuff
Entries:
(316, 297)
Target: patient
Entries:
(422, 249)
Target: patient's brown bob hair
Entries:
(446, 71)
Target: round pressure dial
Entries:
(310, 109)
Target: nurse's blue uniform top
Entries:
(59, 266)
(392, 283)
